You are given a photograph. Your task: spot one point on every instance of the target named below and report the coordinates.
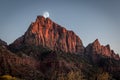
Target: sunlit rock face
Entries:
(47, 33)
(97, 48)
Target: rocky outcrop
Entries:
(3, 42)
(21, 66)
(97, 48)
(47, 33)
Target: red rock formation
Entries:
(97, 48)
(20, 66)
(47, 33)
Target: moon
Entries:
(46, 14)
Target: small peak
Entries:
(96, 41)
(108, 46)
(40, 17)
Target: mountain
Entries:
(97, 48)
(21, 66)
(48, 51)
(47, 33)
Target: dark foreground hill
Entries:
(48, 51)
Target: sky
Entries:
(89, 19)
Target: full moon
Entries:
(46, 14)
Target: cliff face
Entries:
(47, 33)
(40, 55)
(97, 48)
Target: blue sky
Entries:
(89, 19)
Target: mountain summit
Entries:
(40, 54)
(44, 32)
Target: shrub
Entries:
(8, 77)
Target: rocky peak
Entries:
(96, 42)
(3, 43)
(42, 20)
(97, 48)
(47, 33)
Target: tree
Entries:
(75, 75)
(103, 76)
